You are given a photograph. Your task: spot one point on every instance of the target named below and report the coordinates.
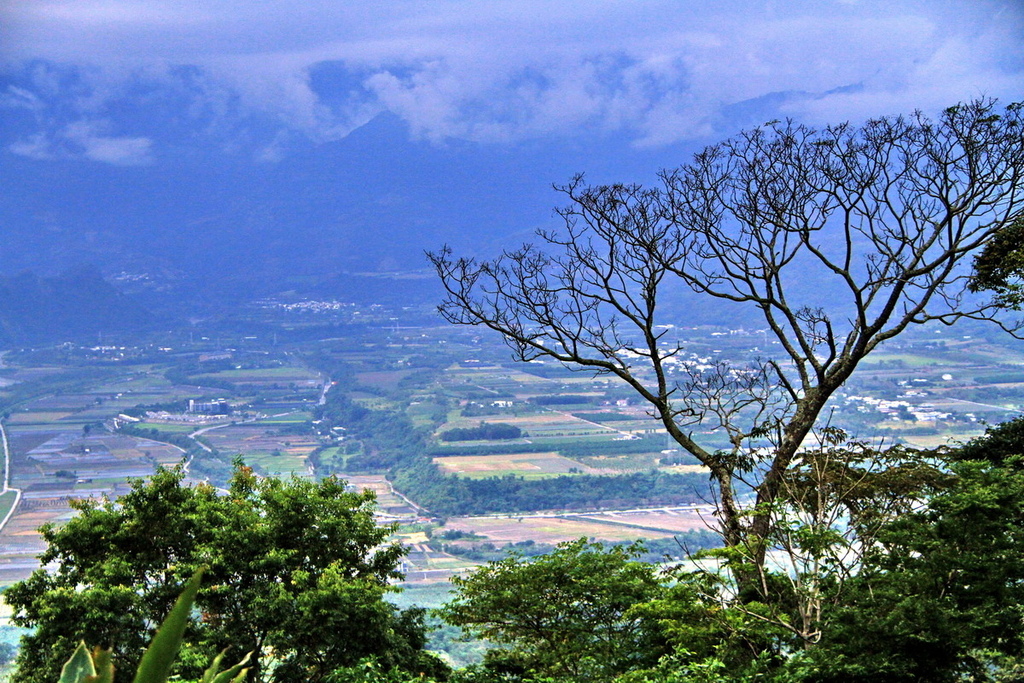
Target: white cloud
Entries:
(119, 151)
(34, 147)
(20, 98)
(85, 139)
(658, 72)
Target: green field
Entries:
(168, 427)
(282, 374)
(6, 501)
(907, 359)
(277, 465)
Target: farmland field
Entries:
(292, 417)
(385, 380)
(387, 500)
(526, 465)
(631, 462)
(283, 465)
(549, 530)
(671, 520)
(170, 427)
(278, 374)
(260, 443)
(265, 377)
(6, 501)
(36, 417)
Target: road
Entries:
(7, 478)
(323, 394)
(627, 435)
(983, 405)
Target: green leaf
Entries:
(155, 666)
(235, 673)
(104, 667)
(79, 667)
(238, 671)
(208, 675)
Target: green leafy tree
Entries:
(940, 595)
(836, 503)
(567, 614)
(999, 268)
(293, 568)
(833, 505)
(710, 637)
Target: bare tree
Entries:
(885, 214)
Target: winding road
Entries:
(7, 478)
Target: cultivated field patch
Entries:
(260, 443)
(669, 520)
(388, 501)
(282, 465)
(382, 379)
(630, 462)
(6, 501)
(550, 530)
(95, 457)
(526, 465)
(170, 427)
(36, 417)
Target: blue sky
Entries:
(116, 81)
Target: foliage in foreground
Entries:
(936, 594)
(930, 588)
(295, 567)
(563, 614)
(96, 666)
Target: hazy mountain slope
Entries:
(372, 201)
(78, 305)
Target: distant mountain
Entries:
(210, 225)
(76, 305)
(202, 229)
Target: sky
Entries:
(120, 81)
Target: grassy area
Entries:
(908, 359)
(428, 595)
(36, 417)
(99, 482)
(6, 501)
(278, 465)
(169, 427)
(282, 374)
(334, 458)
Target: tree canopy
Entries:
(565, 614)
(939, 596)
(999, 267)
(296, 568)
